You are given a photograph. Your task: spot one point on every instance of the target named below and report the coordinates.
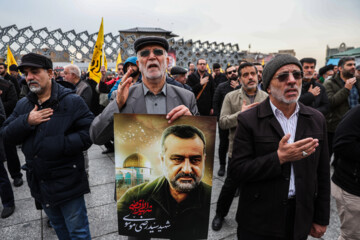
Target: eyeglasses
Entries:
(284, 76)
(157, 52)
(233, 71)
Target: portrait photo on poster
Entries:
(163, 175)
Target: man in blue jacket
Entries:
(52, 124)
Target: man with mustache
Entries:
(203, 86)
(235, 102)
(313, 94)
(343, 94)
(178, 198)
(224, 88)
(52, 125)
(152, 96)
(280, 161)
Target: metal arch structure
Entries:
(79, 46)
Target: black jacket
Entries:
(8, 96)
(54, 149)
(347, 149)
(264, 182)
(220, 79)
(205, 102)
(186, 220)
(320, 102)
(14, 81)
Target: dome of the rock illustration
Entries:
(136, 160)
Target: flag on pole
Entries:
(96, 60)
(72, 61)
(105, 61)
(263, 62)
(10, 60)
(208, 68)
(118, 60)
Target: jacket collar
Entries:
(265, 110)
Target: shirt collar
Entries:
(147, 91)
(277, 111)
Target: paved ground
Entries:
(29, 223)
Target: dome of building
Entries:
(136, 160)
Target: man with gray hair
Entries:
(280, 161)
(73, 75)
(152, 96)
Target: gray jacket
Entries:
(102, 128)
(231, 108)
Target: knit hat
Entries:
(274, 64)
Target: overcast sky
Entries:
(307, 26)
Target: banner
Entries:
(96, 61)
(163, 175)
(10, 60)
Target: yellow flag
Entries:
(118, 60)
(10, 60)
(221, 70)
(72, 61)
(208, 68)
(95, 64)
(105, 61)
(263, 62)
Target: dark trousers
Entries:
(223, 145)
(330, 142)
(13, 161)
(6, 192)
(289, 227)
(226, 196)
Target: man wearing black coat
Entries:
(8, 77)
(280, 161)
(345, 186)
(8, 150)
(52, 124)
(6, 192)
(231, 84)
(313, 94)
(203, 87)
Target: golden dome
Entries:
(136, 160)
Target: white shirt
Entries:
(288, 126)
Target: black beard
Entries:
(234, 78)
(134, 74)
(347, 74)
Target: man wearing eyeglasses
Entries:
(203, 86)
(280, 161)
(234, 103)
(152, 96)
(220, 92)
(313, 94)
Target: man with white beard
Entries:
(280, 161)
(152, 96)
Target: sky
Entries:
(307, 26)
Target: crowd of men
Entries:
(279, 125)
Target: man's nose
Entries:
(291, 79)
(186, 168)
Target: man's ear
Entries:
(50, 73)
(137, 63)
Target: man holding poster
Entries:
(175, 205)
(152, 96)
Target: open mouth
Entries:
(153, 65)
